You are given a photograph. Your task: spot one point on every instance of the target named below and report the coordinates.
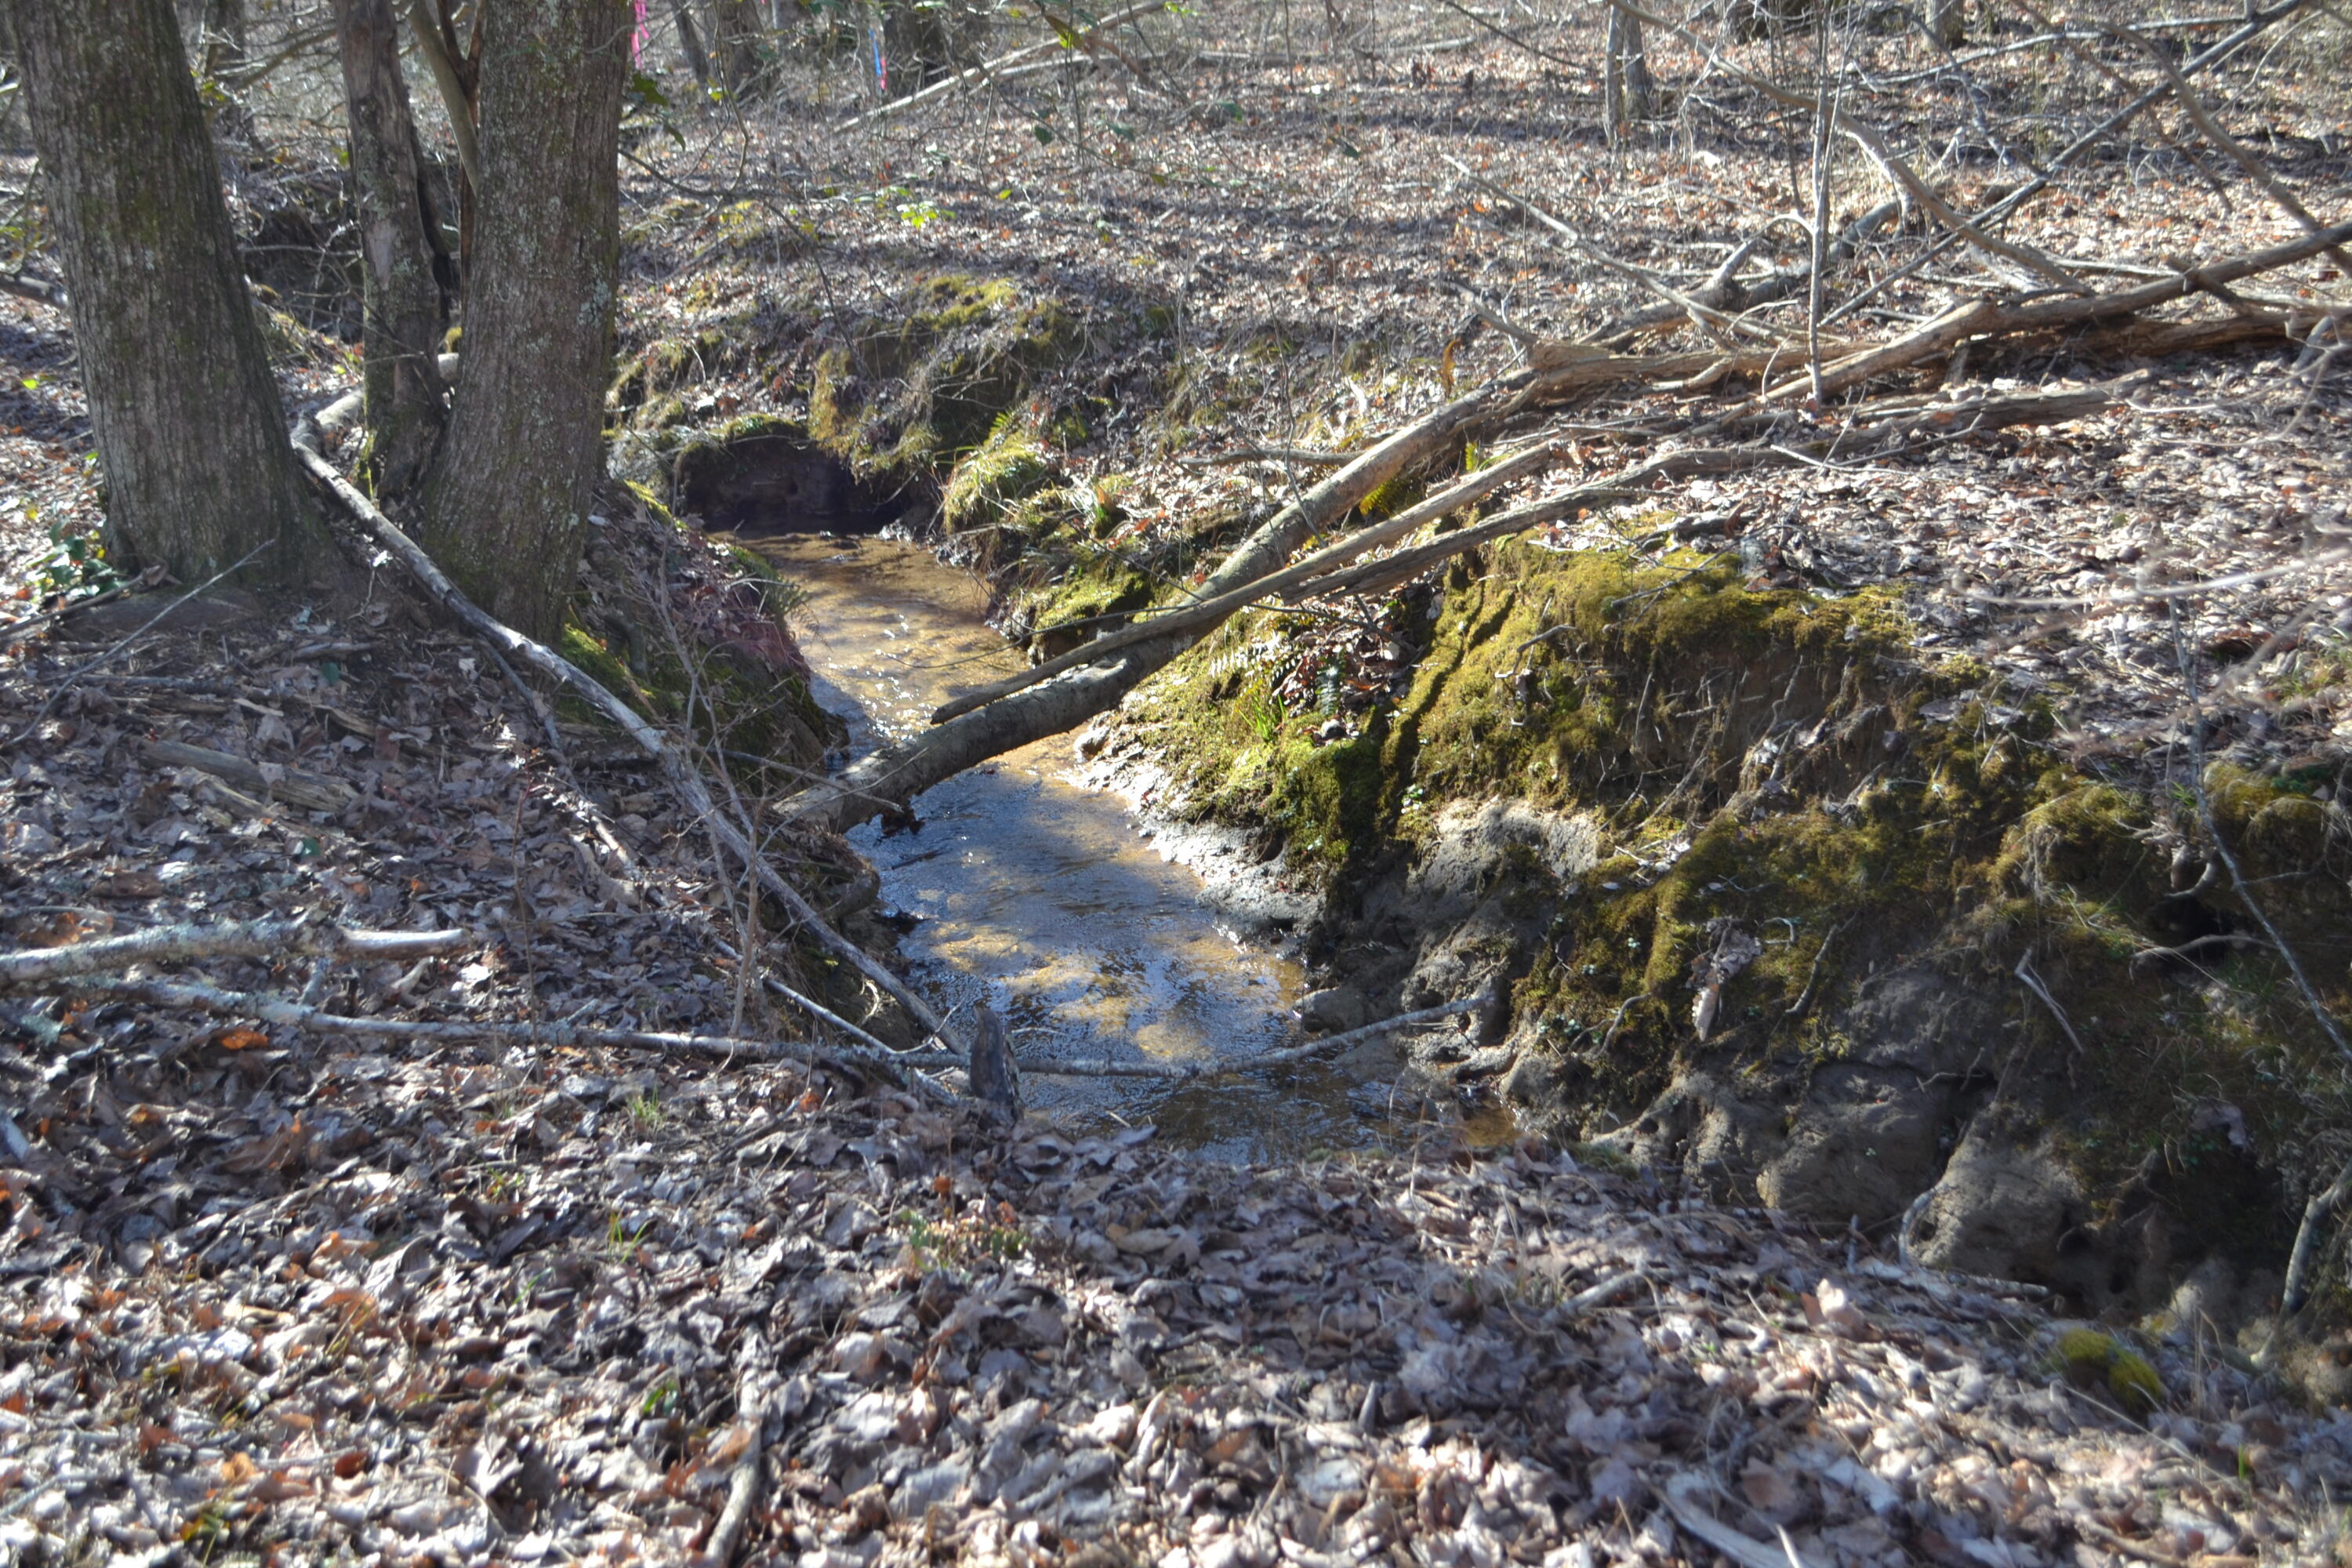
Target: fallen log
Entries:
(1210, 612)
(1074, 695)
(681, 773)
(309, 791)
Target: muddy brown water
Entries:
(1041, 897)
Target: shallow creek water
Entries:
(1040, 897)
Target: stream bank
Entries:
(1022, 886)
(1780, 892)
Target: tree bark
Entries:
(190, 432)
(507, 502)
(690, 40)
(403, 317)
(1947, 21)
(1628, 90)
(735, 37)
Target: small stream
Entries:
(1040, 897)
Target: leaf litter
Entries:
(264, 1296)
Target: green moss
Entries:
(930, 381)
(990, 484)
(2089, 1359)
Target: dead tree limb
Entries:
(1204, 613)
(192, 997)
(31, 968)
(2203, 119)
(1874, 142)
(1074, 696)
(987, 69)
(680, 773)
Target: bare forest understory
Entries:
(1839, 711)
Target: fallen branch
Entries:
(190, 996)
(744, 1485)
(41, 290)
(1209, 612)
(1255, 453)
(2194, 107)
(31, 968)
(74, 676)
(987, 69)
(1985, 316)
(2221, 50)
(681, 775)
(1188, 1072)
(904, 771)
(26, 625)
(309, 791)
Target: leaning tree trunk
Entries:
(506, 502)
(403, 318)
(190, 435)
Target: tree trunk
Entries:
(735, 39)
(690, 40)
(190, 435)
(1946, 19)
(506, 502)
(1626, 87)
(402, 321)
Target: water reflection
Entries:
(1037, 895)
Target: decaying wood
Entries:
(309, 792)
(680, 773)
(31, 968)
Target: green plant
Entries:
(644, 1109)
(75, 565)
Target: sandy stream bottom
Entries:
(1043, 898)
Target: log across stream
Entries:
(1043, 898)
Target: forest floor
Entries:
(268, 1292)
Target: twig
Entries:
(1813, 973)
(32, 967)
(2033, 982)
(1171, 1072)
(71, 675)
(200, 998)
(815, 1009)
(681, 776)
(2324, 1204)
(25, 624)
(743, 1486)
